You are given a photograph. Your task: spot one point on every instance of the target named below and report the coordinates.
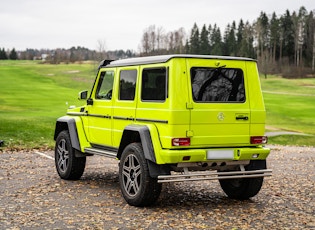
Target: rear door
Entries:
(125, 102)
(220, 111)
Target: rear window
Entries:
(217, 84)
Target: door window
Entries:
(127, 84)
(154, 85)
(104, 89)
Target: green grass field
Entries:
(290, 105)
(34, 95)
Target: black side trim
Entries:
(124, 118)
(76, 114)
(152, 120)
(99, 115)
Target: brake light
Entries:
(181, 141)
(258, 140)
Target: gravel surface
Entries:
(34, 197)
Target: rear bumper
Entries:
(195, 176)
(212, 155)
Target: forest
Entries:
(282, 44)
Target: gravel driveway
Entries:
(34, 197)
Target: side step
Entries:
(213, 175)
(101, 152)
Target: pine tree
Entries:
(239, 39)
(13, 55)
(287, 36)
(194, 40)
(187, 47)
(3, 54)
(262, 31)
(309, 44)
(204, 42)
(275, 37)
(245, 41)
(216, 41)
(230, 40)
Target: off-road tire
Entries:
(136, 185)
(69, 167)
(244, 188)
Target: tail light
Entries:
(181, 141)
(258, 140)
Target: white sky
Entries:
(120, 23)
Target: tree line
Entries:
(12, 55)
(281, 44)
(56, 56)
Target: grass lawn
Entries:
(290, 106)
(34, 95)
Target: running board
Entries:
(101, 152)
(191, 176)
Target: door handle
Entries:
(245, 118)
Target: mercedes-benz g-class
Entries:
(168, 119)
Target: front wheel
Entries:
(69, 167)
(136, 185)
(244, 188)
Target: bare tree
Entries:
(149, 40)
(160, 37)
(180, 37)
(152, 37)
(101, 50)
(145, 47)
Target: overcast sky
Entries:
(120, 23)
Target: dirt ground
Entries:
(32, 196)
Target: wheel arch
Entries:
(137, 133)
(144, 134)
(68, 123)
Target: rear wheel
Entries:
(137, 187)
(69, 167)
(244, 188)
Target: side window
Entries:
(217, 84)
(127, 84)
(105, 86)
(154, 84)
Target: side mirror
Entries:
(83, 95)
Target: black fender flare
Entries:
(141, 133)
(68, 123)
(134, 133)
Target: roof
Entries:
(165, 58)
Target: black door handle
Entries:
(245, 118)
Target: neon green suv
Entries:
(170, 118)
